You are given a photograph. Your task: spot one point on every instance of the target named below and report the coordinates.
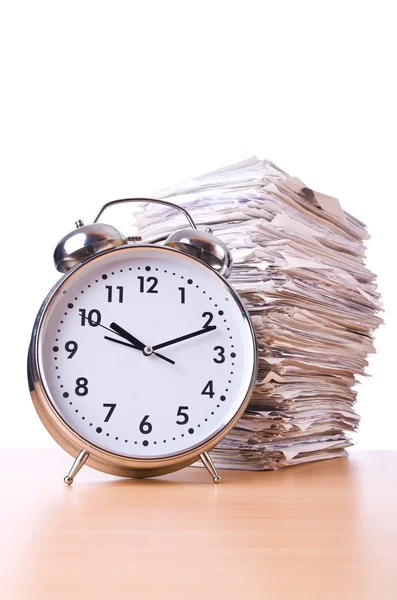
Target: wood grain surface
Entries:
(318, 531)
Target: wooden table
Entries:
(319, 531)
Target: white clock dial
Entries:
(145, 352)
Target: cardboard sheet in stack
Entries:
(299, 265)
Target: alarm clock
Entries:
(142, 357)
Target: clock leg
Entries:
(209, 465)
(76, 466)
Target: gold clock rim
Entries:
(100, 459)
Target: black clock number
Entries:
(145, 427)
(221, 355)
(181, 413)
(120, 290)
(72, 348)
(209, 389)
(209, 316)
(81, 386)
(93, 318)
(183, 294)
(151, 281)
(110, 412)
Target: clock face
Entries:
(145, 352)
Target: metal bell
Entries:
(84, 242)
(204, 246)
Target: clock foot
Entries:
(209, 465)
(76, 466)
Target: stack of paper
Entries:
(299, 268)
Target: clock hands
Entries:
(185, 337)
(134, 342)
(132, 346)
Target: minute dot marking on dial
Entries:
(104, 276)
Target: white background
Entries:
(104, 100)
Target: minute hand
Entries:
(185, 337)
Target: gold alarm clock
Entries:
(142, 356)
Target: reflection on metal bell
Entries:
(204, 246)
(84, 242)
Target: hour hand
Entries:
(127, 336)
